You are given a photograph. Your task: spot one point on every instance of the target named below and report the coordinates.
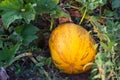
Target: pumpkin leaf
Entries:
(50, 6)
(16, 9)
(58, 12)
(7, 54)
(29, 13)
(46, 6)
(27, 33)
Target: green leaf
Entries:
(100, 58)
(10, 10)
(92, 4)
(58, 12)
(111, 45)
(29, 13)
(96, 76)
(55, 1)
(49, 6)
(27, 33)
(109, 13)
(16, 9)
(46, 6)
(105, 46)
(109, 63)
(48, 61)
(30, 1)
(115, 3)
(7, 54)
(10, 17)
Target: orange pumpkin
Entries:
(71, 48)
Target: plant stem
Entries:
(74, 7)
(51, 24)
(18, 57)
(83, 16)
(34, 60)
(46, 74)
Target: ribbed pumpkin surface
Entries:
(71, 48)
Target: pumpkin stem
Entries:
(83, 16)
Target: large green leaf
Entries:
(115, 3)
(46, 6)
(16, 9)
(27, 33)
(7, 54)
(29, 13)
(10, 17)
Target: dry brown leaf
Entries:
(75, 13)
(64, 20)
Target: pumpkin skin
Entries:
(71, 47)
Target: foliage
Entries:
(92, 4)
(6, 55)
(106, 64)
(13, 10)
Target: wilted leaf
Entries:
(75, 13)
(64, 20)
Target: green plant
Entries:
(18, 29)
(106, 65)
(88, 6)
(107, 60)
(7, 54)
(21, 13)
(27, 10)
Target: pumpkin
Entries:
(72, 48)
